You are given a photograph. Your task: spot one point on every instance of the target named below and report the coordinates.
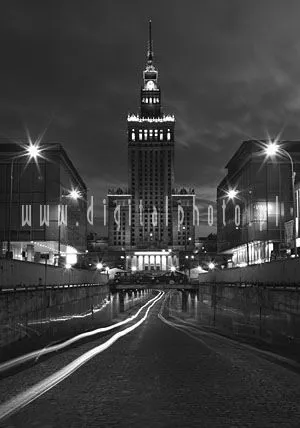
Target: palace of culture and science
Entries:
(151, 220)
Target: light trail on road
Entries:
(179, 327)
(71, 317)
(24, 398)
(195, 332)
(54, 348)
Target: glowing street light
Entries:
(33, 151)
(74, 194)
(271, 149)
(133, 268)
(173, 268)
(99, 266)
(211, 265)
(231, 193)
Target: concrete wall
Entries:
(281, 272)
(32, 313)
(15, 273)
(265, 314)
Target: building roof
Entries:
(254, 146)
(10, 147)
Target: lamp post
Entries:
(183, 228)
(74, 195)
(187, 241)
(9, 208)
(32, 151)
(233, 194)
(271, 150)
(189, 258)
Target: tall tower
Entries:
(146, 220)
(151, 164)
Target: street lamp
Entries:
(271, 150)
(73, 194)
(232, 194)
(32, 151)
(189, 258)
(99, 266)
(186, 239)
(211, 266)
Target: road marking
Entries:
(24, 398)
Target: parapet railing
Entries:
(243, 284)
(22, 287)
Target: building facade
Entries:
(38, 191)
(151, 218)
(253, 225)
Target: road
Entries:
(163, 373)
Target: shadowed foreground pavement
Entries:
(163, 375)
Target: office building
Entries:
(35, 190)
(255, 224)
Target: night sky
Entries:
(229, 71)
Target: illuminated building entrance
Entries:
(151, 261)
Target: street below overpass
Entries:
(154, 370)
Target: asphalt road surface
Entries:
(163, 372)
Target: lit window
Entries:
(161, 135)
(140, 135)
(133, 135)
(146, 100)
(168, 136)
(150, 100)
(145, 133)
(150, 133)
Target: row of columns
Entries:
(158, 262)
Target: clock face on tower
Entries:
(150, 85)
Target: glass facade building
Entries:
(253, 225)
(32, 194)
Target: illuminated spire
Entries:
(150, 47)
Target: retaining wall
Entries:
(281, 272)
(15, 273)
(31, 313)
(268, 314)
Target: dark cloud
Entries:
(229, 70)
